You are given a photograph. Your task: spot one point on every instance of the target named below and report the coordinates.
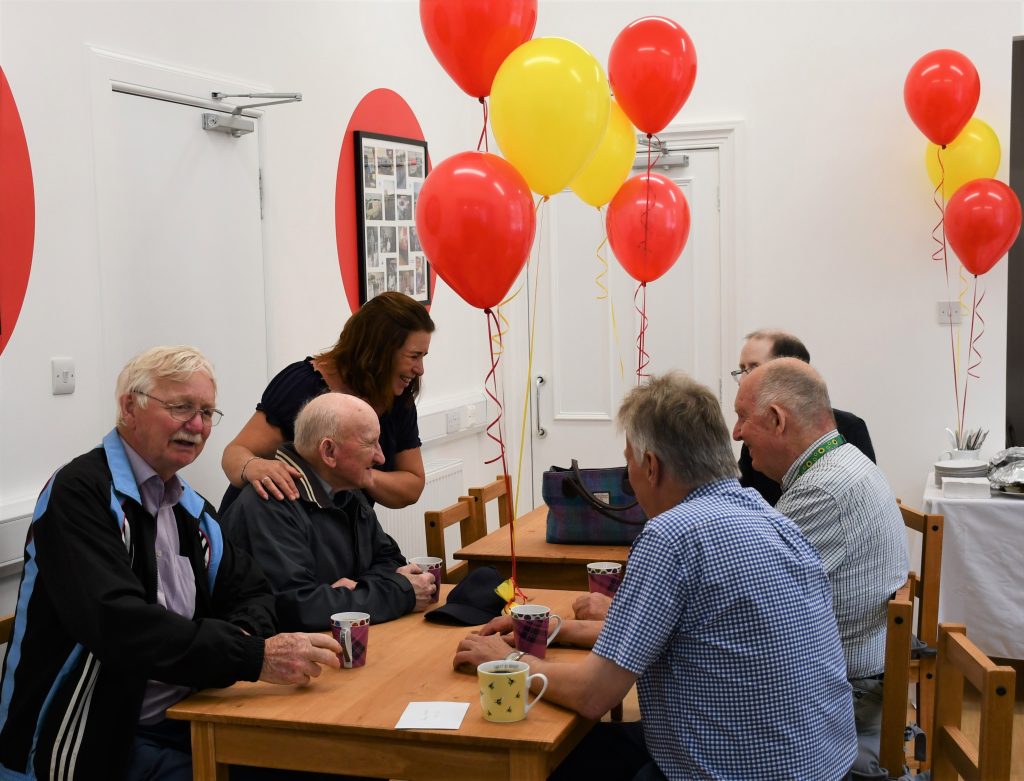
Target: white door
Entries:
(180, 236)
(585, 358)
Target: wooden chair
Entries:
(6, 629)
(898, 642)
(481, 496)
(922, 593)
(471, 529)
(953, 755)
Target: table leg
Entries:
(204, 754)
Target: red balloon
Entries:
(941, 93)
(982, 221)
(476, 221)
(471, 38)
(648, 223)
(652, 66)
(17, 213)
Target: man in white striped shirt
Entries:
(844, 506)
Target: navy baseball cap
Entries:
(472, 602)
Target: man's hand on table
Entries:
(591, 607)
(296, 657)
(501, 626)
(475, 649)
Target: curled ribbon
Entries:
(642, 358)
(599, 281)
(483, 133)
(940, 253)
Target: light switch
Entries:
(63, 373)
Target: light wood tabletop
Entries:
(539, 563)
(344, 721)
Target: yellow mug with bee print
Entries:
(504, 689)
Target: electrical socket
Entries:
(62, 374)
(948, 312)
(452, 423)
(471, 415)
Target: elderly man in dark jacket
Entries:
(130, 599)
(325, 552)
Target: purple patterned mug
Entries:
(530, 627)
(352, 631)
(604, 577)
(431, 565)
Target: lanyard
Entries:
(822, 449)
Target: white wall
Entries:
(835, 209)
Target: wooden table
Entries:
(344, 722)
(539, 564)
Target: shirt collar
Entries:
(312, 488)
(791, 474)
(154, 490)
(712, 488)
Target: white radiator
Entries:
(444, 486)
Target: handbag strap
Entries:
(606, 509)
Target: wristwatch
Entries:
(515, 656)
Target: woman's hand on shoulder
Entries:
(272, 478)
(249, 458)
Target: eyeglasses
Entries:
(185, 412)
(737, 374)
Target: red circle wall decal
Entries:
(17, 213)
(381, 111)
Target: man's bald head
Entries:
(795, 386)
(338, 435)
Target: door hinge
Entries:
(261, 193)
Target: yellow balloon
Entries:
(974, 154)
(602, 176)
(549, 109)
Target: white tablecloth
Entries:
(982, 568)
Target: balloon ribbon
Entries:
(492, 392)
(940, 253)
(599, 281)
(642, 358)
(973, 350)
(531, 316)
(483, 133)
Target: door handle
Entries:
(538, 384)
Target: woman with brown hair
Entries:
(379, 358)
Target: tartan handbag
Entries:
(591, 506)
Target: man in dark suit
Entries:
(761, 347)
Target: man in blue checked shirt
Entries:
(724, 622)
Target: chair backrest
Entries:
(436, 521)
(953, 755)
(6, 628)
(926, 589)
(892, 746)
(930, 527)
(499, 490)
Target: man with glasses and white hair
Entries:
(325, 552)
(844, 506)
(759, 348)
(723, 619)
(130, 598)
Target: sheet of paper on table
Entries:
(433, 715)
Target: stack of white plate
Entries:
(961, 468)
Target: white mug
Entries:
(960, 455)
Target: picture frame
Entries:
(390, 171)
